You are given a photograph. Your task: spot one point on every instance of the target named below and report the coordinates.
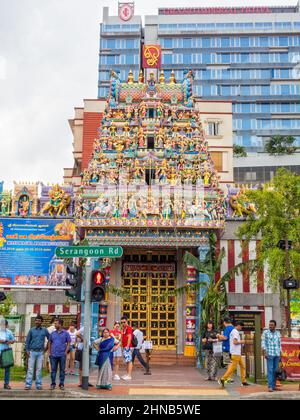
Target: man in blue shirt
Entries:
(59, 346)
(6, 339)
(35, 348)
(271, 345)
(225, 338)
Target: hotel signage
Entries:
(126, 11)
(214, 10)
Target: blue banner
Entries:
(27, 252)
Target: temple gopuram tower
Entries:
(151, 187)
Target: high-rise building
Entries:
(249, 55)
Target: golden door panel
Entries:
(152, 305)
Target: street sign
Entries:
(247, 317)
(89, 252)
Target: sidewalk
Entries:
(164, 383)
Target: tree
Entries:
(281, 145)
(239, 151)
(7, 306)
(277, 218)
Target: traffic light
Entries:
(2, 296)
(98, 286)
(74, 279)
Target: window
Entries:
(130, 43)
(111, 43)
(167, 43)
(250, 176)
(205, 42)
(151, 142)
(225, 42)
(213, 129)
(187, 58)
(167, 58)
(217, 158)
(263, 41)
(129, 59)
(187, 42)
(245, 42)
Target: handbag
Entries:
(217, 348)
(6, 358)
(280, 374)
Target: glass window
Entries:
(245, 58)
(285, 89)
(246, 108)
(167, 58)
(187, 58)
(263, 41)
(129, 59)
(130, 43)
(245, 42)
(206, 90)
(205, 42)
(187, 42)
(225, 42)
(245, 90)
(225, 58)
(167, 43)
(265, 90)
(205, 58)
(111, 43)
(264, 58)
(111, 59)
(283, 41)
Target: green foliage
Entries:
(7, 306)
(277, 218)
(281, 145)
(239, 151)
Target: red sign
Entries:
(126, 11)
(151, 56)
(214, 10)
(291, 358)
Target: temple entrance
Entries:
(150, 279)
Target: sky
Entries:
(48, 65)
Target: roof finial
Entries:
(130, 77)
(162, 77)
(172, 78)
(141, 77)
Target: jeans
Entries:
(272, 365)
(55, 361)
(35, 357)
(6, 376)
(136, 352)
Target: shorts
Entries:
(127, 355)
(78, 358)
(118, 352)
(72, 349)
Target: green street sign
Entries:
(89, 252)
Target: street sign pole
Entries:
(87, 326)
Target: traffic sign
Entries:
(89, 252)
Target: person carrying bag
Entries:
(6, 355)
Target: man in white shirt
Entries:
(236, 356)
(136, 351)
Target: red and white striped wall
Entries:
(237, 252)
(32, 310)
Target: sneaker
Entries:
(52, 387)
(126, 378)
(117, 378)
(230, 381)
(271, 390)
(245, 384)
(61, 387)
(39, 388)
(207, 379)
(221, 382)
(7, 387)
(27, 388)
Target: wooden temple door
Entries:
(152, 302)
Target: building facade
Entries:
(248, 55)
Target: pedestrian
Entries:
(127, 334)
(116, 333)
(79, 354)
(271, 346)
(209, 336)
(51, 329)
(71, 355)
(236, 356)
(59, 344)
(105, 346)
(6, 340)
(35, 349)
(228, 327)
(137, 350)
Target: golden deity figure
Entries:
(86, 176)
(206, 175)
(172, 78)
(141, 138)
(119, 146)
(126, 128)
(59, 202)
(143, 109)
(141, 76)
(162, 77)
(174, 178)
(112, 130)
(130, 77)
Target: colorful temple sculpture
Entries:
(25, 199)
(151, 187)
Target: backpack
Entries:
(134, 341)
